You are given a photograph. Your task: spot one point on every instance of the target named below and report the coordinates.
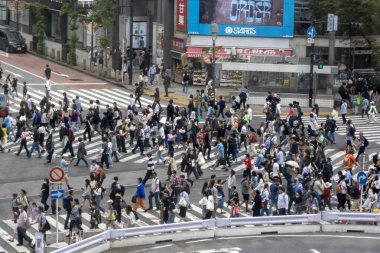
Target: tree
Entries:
(352, 12)
(40, 8)
(103, 13)
(71, 10)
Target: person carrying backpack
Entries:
(363, 144)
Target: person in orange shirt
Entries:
(349, 160)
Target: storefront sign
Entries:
(254, 18)
(178, 44)
(242, 53)
(181, 16)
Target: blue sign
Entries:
(362, 178)
(311, 32)
(253, 18)
(57, 194)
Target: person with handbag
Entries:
(43, 224)
(183, 204)
(139, 198)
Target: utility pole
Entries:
(130, 69)
(311, 34)
(17, 15)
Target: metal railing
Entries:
(219, 224)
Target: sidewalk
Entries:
(175, 90)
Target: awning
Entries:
(194, 52)
(176, 54)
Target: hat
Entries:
(65, 155)
(328, 185)
(110, 201)
(372, 102)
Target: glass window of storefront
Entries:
(278, 82)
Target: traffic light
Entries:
(320, 65)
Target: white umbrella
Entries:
(293, 164)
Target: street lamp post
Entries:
(16, 1)
(130, 68)
(214, 29)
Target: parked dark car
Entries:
(11, 41)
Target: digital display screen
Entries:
(261, 18)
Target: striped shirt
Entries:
(150, 164)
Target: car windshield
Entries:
(14, 36)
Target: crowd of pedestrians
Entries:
(286, 169)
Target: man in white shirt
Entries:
(22, 226)
(48, 88)
(283, 201)
(154, 191)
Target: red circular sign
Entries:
(56, 174)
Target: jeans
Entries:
(21, 234)
(74, 126)
(98, 199)
(105, 160)
(139, 144)
(68, 146)
(265, 209)
(361, 151)
(199, 112)
(160, 158)
(44, 199)
(156, 199)
(185, 86)
(35, 145)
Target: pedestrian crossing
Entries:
(151, 217)
(370, 130)
(105, 96)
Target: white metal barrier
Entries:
(214, 224)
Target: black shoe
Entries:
(134, 152)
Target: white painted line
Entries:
(23, 70)
(59, 74)
(75, 84)
(15, 74)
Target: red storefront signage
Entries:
(181, 16)
(178, 44)
(243, 53)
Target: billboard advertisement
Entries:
(256, 18)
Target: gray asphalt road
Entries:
(312, 243)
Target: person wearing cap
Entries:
(372, 113)
(327, 196)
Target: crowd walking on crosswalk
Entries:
(285, 162)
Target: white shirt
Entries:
(250, 114)
(48, 85)
(162, 133)
(231, 181)
(154, 187)
(22, 218)
(278, 108)
(275, 169)
(283, 201)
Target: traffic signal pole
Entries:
(311, 79)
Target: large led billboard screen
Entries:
(259, 18)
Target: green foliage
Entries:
(40, 8)
(104, 42)
(70, 9)
(103, 14)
